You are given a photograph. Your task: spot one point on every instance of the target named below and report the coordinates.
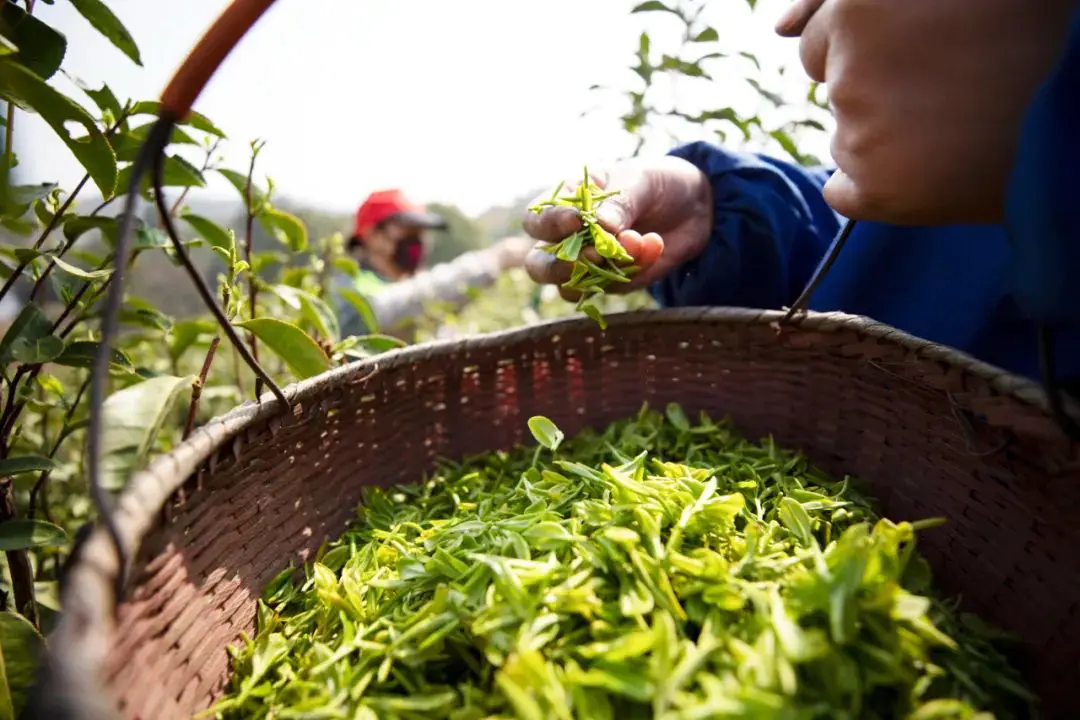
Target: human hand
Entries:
(662, 215)
(929, 96)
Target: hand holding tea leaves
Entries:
(590, 275)
(659, 211)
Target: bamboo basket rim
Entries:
(82, 636)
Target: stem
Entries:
(9, 137)
(9, 408)
(70, 308)
(56, 218)
(41, 486)
(98, 292)
(226, 297)
(324, 271)
(207, 162)
(249, 226)
(22, 575)
(238, 368)
(8, 158)
(198, 385)
(11, 413)
(204, 292)
(105, 204)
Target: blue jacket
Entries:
(982, 289)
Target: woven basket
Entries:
(935, 432)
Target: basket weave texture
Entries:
(934, 432)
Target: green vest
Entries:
(368, 283)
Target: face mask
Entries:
(408, 253)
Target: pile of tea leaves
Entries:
(659, 569)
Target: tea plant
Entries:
(166, 374)
(705, 51)
(657, 569)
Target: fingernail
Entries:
(795, 19)
(611, 216)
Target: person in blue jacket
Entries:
(957, 149)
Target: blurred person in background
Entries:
(956, 148)
(389, 243)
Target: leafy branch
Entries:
(701, 56)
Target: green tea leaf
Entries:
(21, 646)
(312, 308)
(365, 346)
(37, 351)
(772, 97)
(77, 226)
(105, 100)
(362, 306)
(22, 87)
(146, 317)
(24, 464)
(81, 354)
(677, 417)
(570, 248)
(653, 6)
(595, 315)
(178, 173)
(286, 227)
(300, 353)
(131, 420)
(128, 144)
(545, 432)
(193, 119)
(38, 47)
(79, 272)
(707, 35)
(186, 332)
(795, 518)
(29, 326)
(21, 534)
(105, 22)
(213, 233)
(240, 182)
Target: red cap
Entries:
(385, 204)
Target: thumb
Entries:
(619, 212)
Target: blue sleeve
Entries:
(1042, 209)
(771, 227)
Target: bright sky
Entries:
(470, 102)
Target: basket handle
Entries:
(176, 103)
(206, 57)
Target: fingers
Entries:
(646, 250)
(556, 223)
(552, 225)
(814, 45)
(794, 21)
(544, 268)
(636, 190)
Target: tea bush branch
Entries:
(702, 55)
